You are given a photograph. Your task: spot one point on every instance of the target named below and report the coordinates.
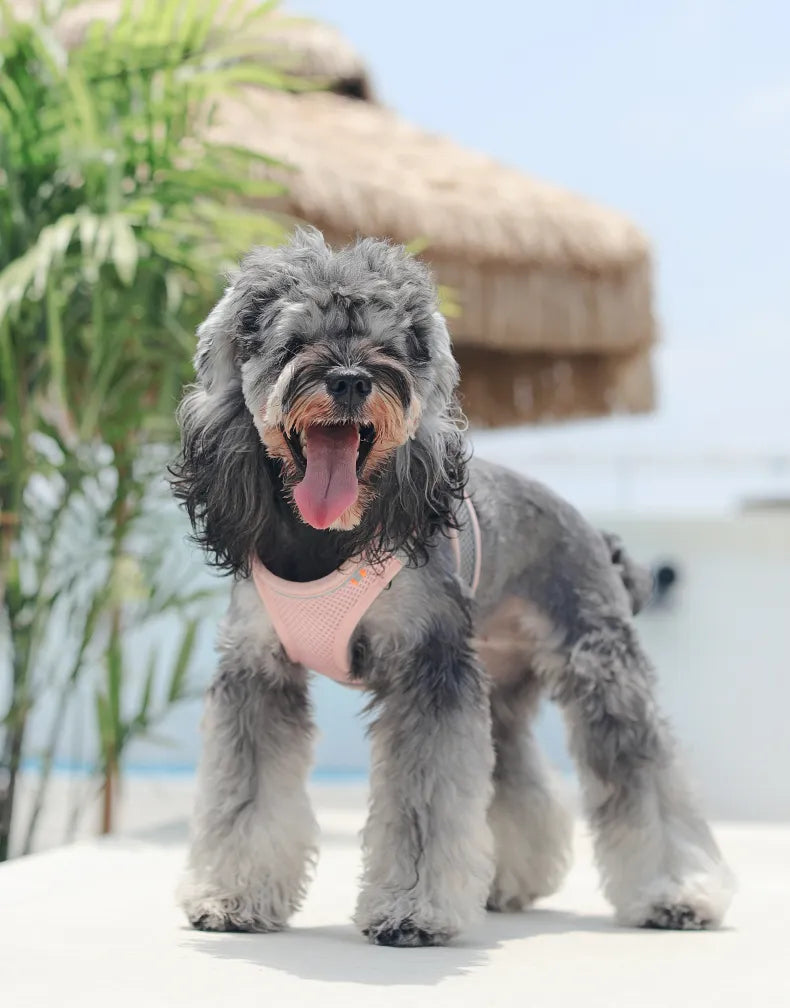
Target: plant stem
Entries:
(16, 722)
(11, 594)
(109, 782)
(122, 514)
(59, 720)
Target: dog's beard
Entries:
(329, 462)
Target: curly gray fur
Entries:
(463, 812)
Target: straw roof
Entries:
(536, 268)
(317, 52)
(555, 292)
(500, 388)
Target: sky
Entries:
(676, 112)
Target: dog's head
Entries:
(339, 364)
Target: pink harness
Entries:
(315, 619)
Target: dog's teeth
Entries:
(302, 438)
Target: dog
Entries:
(323, 428)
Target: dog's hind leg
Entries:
(530, 822)
(253, 832)
(659, 862)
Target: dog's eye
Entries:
(393, 352)
(418, 346)
(294, 346)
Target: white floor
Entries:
(95, 925)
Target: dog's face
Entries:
(341, 357)
(334, 390)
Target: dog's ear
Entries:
(418, 496)
(223, 477)
(432, 468)
(424, 487)
(215, 358)
(445, 373)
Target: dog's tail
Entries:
(637, 579)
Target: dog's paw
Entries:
(697, 903)
(405, 934)
(509, 902)
(404, 924)
(216, 914)
(676, 917)
(517, 885)
(414, 915)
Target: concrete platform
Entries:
(95, 926)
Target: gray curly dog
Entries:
(323, 427)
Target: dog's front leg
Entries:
(253, 834)
(427, 846)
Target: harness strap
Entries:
(315, 620)
(467, 547)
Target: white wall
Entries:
(721, 650)
(720, 646)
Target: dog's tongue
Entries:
(330, 483)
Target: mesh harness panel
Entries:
(314, 620)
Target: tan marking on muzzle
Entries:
(393, 428)
(316, 408)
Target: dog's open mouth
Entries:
(331, 457)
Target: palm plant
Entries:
(117, 213)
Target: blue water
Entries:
(320, 775)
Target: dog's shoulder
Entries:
(515, 502)
(532, 535)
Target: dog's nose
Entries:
(349, 388)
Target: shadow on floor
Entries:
(338, 954)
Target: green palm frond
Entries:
(118, 216)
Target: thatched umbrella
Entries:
(554, 292)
